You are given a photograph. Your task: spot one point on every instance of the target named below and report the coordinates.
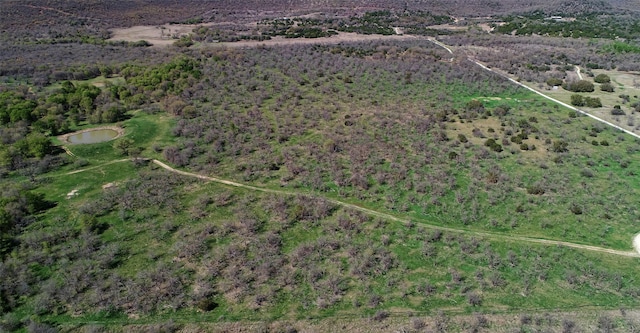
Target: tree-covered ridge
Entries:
(589, 25)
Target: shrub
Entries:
(554, 82)
(516, 139)
(593, 102)
(474, 299)
(496, 147)
(206, 304)
(607, 87)
(579, 86)
(575, 209)
(477, 133)
(475, 105)
(462, 138)
(577, 100)
(560, 146)
(184, 41)
(617, 111)
(602, 78)
(586, 172)
(381, 315)
(536, 189)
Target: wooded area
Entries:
(385, 185)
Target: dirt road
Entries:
(540, 93)
(405, 221)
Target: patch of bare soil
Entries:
(636, 243)
(159, 35)
(166, 35)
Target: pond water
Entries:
(95, 136)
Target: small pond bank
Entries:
(92, 135)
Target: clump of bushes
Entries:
(560, 146)
(575, 209)
(602, 78)
(617, 111)
(536, 189)
(607, 87)
(579, 86)
(579, 100)
(491, 143)
(554, 82)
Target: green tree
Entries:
(602, 78)
(22, 110)
(593, 102)
(124, 145)
(579, 86)
(38, 145)
(607, 87)
(577, 100)
(554, 82)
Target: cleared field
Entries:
(158, 36)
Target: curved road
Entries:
(397, 219)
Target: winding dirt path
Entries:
(372, 212)
(97, 166)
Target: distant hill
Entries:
(138, 12)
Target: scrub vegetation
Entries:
(357, 186)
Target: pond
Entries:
(93, 136)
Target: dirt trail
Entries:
(397, 219)
(97, 166)
(540, 93)
(368, 211)
(578, 72)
